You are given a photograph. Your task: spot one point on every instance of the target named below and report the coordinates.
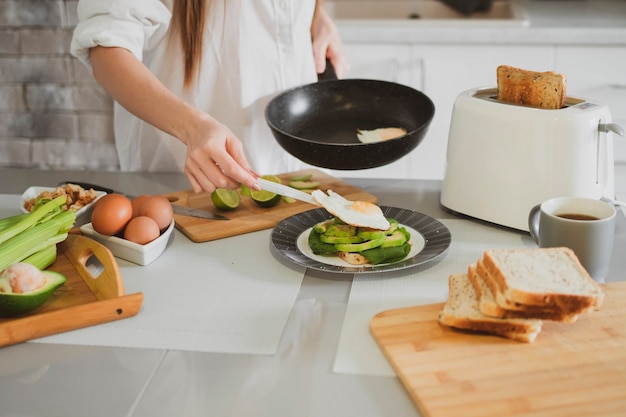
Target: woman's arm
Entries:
(215, 157)
(327, 42)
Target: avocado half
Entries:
(15, 304)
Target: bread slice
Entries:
(486, 302)
(546, 90)
(461, 311)
(353, 258)
(547, 277)
(492, 302)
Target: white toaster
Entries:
(502, 159)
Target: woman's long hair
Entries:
(188, 17)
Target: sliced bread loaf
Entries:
(546, 90)
(552, 278)
(493, 303)
(462, 311)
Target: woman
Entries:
(191, 79)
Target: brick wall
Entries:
(53, 115)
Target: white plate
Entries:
(34, 191)
(130, 251)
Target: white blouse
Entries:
(253, 49)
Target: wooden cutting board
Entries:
(249, 217)
(93, 294)
(572, 369)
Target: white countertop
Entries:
(564, 22)
(38, 379)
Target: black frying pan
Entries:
(317, 123)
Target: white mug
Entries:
(585, 225)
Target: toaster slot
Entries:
(491, 94)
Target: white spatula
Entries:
(287, 191)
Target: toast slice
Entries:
(545, 90)
(353, 258)
(492, 302)
(547, 277)
(462, 311)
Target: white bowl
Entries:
(130, 251)
(34, 191)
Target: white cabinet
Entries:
(598, 73)
(387, 62)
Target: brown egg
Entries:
(158, 208)
(111, 213)
(141, 230)
(137, 202)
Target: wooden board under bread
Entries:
(249, 217)
(572, 369)
(90, 296)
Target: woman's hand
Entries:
(215, 156)
(327, 42)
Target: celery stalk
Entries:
(10, 221)
(43, 258)
(32, 219)
(36, 238)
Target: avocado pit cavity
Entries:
(24, 287)
(21, 278)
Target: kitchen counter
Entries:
(574, 22)
(47, 379)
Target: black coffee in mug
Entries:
(576, 216)
(590, 234)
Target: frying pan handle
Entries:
(329, 73)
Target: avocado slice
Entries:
(360, 247)
(392, 254)
(393, 225)
(341, 230)
(340, 239)
(320, 248)
(12, 304)
(397, 238)
(322, 226)
(370, 234)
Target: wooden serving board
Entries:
(572, 369)
(249, 217)
(93, 294)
